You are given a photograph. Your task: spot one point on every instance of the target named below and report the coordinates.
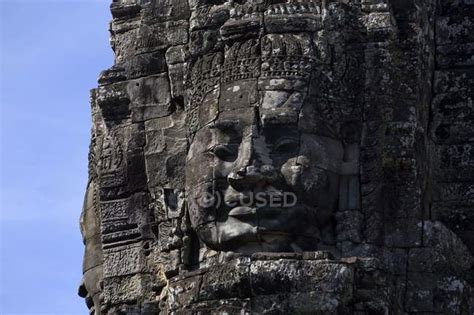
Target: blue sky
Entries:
(51, 54)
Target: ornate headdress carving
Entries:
(293, 8)
(242, 61)
(204, 78)
(206, 67)
(287, 56)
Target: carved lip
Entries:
(262, 212)
(240, 212)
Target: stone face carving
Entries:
(282, 157)
(252, 150)
(90, 288)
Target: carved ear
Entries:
(191, 243)
(349, 184)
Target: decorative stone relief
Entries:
(282, 157)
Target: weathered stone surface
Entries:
(283, 157)
(276, 286)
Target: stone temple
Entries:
(283, 157)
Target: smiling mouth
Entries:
(242, 212)
(274, 228)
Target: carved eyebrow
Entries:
(226, 125)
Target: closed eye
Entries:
(287, 145)
(226, 152)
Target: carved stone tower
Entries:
(283, 157)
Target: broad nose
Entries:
(250, 176)
(253, 166)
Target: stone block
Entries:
(271, 304)
(287, 275)
(165, 151)
(452, 296)
(146, 38)
(209, 17)
(453, 132)
(420, 292)
(238, 95)
(246, 21)
(454, 191)
(227, 281)
(404, 233)
(169, 10)
(113, 101)
(457, 215)
(125, 261)
(455, 162)
(454, 80)
(183, 291)
(455, 7)
(318, 303)
(150, 98)
(169, 235)
(454, 29)
(395, 260)
(216, 307)
(458, 55)
(349, 226)
(177, 74)
(453, 106)
(168, 262)
(126, 290)
(452, 256)
(467, 238)
(124, 11)
(145, 64)
(136, 176)
(283, 17)
(168, 170)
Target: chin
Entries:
(267, 242)
(248, 235)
